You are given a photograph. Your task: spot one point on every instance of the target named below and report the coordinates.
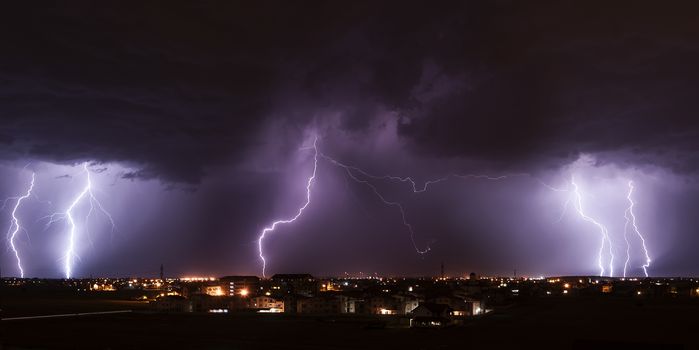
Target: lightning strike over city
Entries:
(349, 170)
(16, 225)
(420, 189)
(631, 221)
(273, 226)
(369, 169)
(605, 241)
(352, 171)
(74, 229)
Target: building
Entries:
(171, 303)
(430, 315)
(407, 303)
(291, 302)
(207, 303)
(238, 303)
(460, 306)
(297, 283)
(383, 305)
(241, 285)
(266, 303)
(329, 286)
(215, 290)
(325, 304)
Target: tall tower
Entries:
(161, 273)
(442, 269)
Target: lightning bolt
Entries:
(406, 179)
(407, 225)
(628, 244)
(603, 230)
(268, 229)
(351, 170)
(631, 220)
(355, 173)
(426, 184)
(15, 225)
(69, 217)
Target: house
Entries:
(240, 285)
(461, 306)
(267, 303)
(291, 302)
(407, 303)
(214, 290)
(238, 303)
(171, 303)
(298, 283)
(430, 315)
(325, 304)
(431, 310)
(207, 303)
(383, 305)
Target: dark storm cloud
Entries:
(177, 88)
(160, 88)
(567, 78)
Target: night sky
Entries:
(198, 120)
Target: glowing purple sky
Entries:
(194, 119)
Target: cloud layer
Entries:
(177, 89)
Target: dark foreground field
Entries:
(562, 323)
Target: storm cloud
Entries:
(175, 89)
(222, 98)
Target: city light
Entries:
(197, 279)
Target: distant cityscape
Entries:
(431, 302)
